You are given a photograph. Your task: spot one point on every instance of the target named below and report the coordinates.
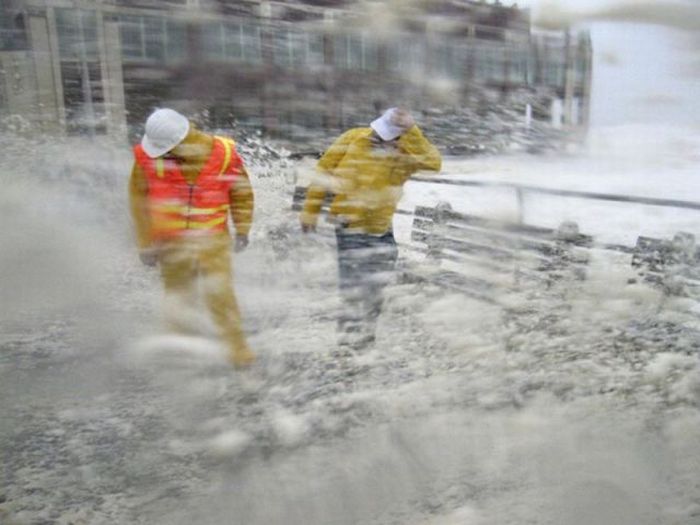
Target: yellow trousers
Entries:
(204, 264)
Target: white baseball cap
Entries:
(385, 128)
(165, 129)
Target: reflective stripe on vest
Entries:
(185, 210)
(179, 224)
(160, 167)
(228, 146)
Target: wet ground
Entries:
(583, 409)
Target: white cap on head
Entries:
(165, 129)
(385, 128)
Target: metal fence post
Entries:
(520, 194)
(440, 215)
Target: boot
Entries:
(241, 357)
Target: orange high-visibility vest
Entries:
(178, 208)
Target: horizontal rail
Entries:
(668, 203)
(298, 206)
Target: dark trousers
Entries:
(366, 264)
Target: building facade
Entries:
(288, 68)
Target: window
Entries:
(519, 66)
(489, 33)
(297, 49)
(449, 60)
(81, 78)
(148, 38)
(81, 117)
(13, 36)
(581, 70)
(489, 63)
(407, 56)
(77, 34)
(232, 42)
(555, 73)
(355, 52)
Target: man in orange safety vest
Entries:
(184, 185)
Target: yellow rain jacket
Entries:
(367, 180)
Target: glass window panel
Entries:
(370, 52)
(212, 41)
(479, 62)
(555, 74)
(148, 38)
(580, 70)
(231, 42)
(407, 56)
(251, 43)
(490, 62)
(281, 49)
(13, 36)
(89, 33)
(131, 36)
(233, 48)
(315, 49)
(353, 52)
(67, 28)
(176, 41)
(339, 51)
(354, 49)
(413, 57)
(77, 33)
(154, 38)
(450, 60)
(299, 51)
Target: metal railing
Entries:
(522, 189)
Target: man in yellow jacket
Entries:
(184, 185)
(365, 169)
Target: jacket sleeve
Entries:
(138, 201)
(316, 193)
(242, 201)
(423, 153)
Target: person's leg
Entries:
(379, 271)
(217, 289)
(351, 316)
(178, 270)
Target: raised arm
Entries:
(425, 155)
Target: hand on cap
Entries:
(403, 119)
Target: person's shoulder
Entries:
(225, 144)
(224, 139)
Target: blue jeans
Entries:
(366, 264)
